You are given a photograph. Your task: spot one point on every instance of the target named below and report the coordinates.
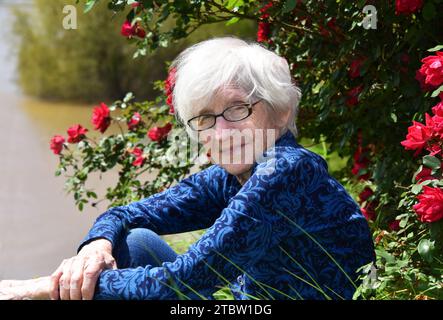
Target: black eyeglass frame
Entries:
(248, 105)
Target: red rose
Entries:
(369, 211)
(424, 174)
(57, 144)
(365, 194)
(421, 79)
(170, 104)
(430, 205)
(361, 162)
(436, 124)
(434, 149)
(324, 32)
(431, 72)
(438, 109)
(265, 8)
(135, 121)
(354, 67)
(101, 118)
(417, 137)
(140, 32)
(407, 6)
(129, 30)
(135, 4)
(169, 88)
(264, 29)
(332, 24)
(352, 95)
(139, 157)
(76, 133)
(158, 133)
(394, 225)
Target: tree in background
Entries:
(93, 62)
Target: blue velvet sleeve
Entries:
(236, 241)
(193, 204)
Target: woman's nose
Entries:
(222, 128)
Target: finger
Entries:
(65, 279)
(110, 262)
(75, 284)
(90, 277)
(54, 282)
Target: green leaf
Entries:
(232, 21)
(130, 16)
(416, 188)
(436, 48)
(425, 249)
(403, 223)
(289, 5)
(387, 256)
(89, 5)
(416, 173)
(317, 87)
(129, 96)
(437, 91)
(234, 4)
(91, 194)
(431, 162)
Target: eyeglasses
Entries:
(233, 113)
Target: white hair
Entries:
(206, 67)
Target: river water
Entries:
(39, 223)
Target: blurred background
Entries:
(51, 78)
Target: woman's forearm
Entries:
(34, 289)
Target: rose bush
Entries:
(362, 89)
(410, 252)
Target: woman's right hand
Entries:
(75, 278)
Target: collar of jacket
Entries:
(286, 139)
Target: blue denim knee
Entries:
(142, 247)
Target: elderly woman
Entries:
(278, 225)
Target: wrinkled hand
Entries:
(75, 278)
(34, 289)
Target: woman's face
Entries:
(236, 145)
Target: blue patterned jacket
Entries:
(291, 231)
